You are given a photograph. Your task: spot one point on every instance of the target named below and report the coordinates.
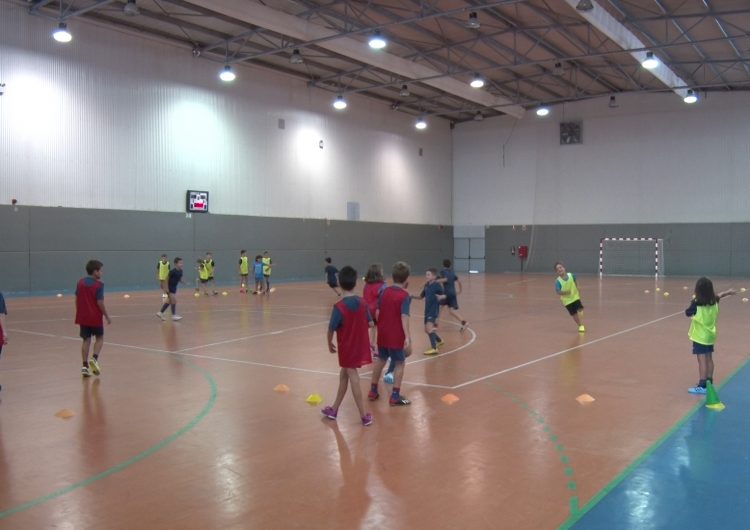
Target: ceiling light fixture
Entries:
(404, 93)
(613, 102)
(377, 42)
(61, 34)
(339, 103)
(558, 69)
(131, 9)
(296, 57)
(650, 62)
(421, 124)
(477, 81)
(584, 5)
(690, 97)
(542, 111)
(473, 21)
(226, 74)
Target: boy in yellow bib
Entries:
(704, 310)
(162, 270)
(244, 271)
(567, 288)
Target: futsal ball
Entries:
(745, 300)
(658, 289)
(646, 291)
(126, 296)
(59, 295)
(224, 293)
(197, 295)
(743, 290)
(684, 287)
(666, 294)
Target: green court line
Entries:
(596, 499)
(571, 484)
(124, 465)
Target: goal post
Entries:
(631, 256)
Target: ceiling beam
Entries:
(623, 37)
(302, 30)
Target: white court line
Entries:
(556, 354)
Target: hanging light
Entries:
(226, 74)
(61, 34)
(477, 81)
(131, 9)
(421, 124)
(584, 5)
(296, 57)
(404, 93)
(377, 42)
(690, 97)
(339, 103)
(613, 102)
(473, 21)
(542, 111)
(650, 62)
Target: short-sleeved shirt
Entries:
(244, 266)
(331, 273)
(266, 266)
(258, 269)
(567, 284)
(703, 323)
(175, 276)
(431, 303)
(450, 284)
(371, 293)
(162, 268)
(394, 302)
(89, 292)
(350, 319)
(210, 266)
(3, 311)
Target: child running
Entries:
(90, 312)
(394, 337)
(244, 271)
(162, 270)
(3, 329)
(174, 279)
(433, 295)
(449, 280)
(350, 320)
(331, 277)
(704, 310)
(567, 288)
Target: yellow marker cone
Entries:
(743, 290)
(281, 388)
(64, 414)
(666, 294)
(658, 289)
(449, 399)
(585, 398)
(224, 293)
(314, 399)
(197, 295)
(712, 398)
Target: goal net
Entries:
(631, 256)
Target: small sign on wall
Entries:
(571, 133)
(197, 201)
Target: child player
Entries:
(704, 310)
(567, 288)
(162, 269)
(174, 279)
(210, 266)
(244, 271)
(258, 273)
(350, 320)
(90, 312)
(267, 270)
(3, 328)
(331, 278)
(202, 279)
(433, 295)
(449, 280)
(394, 338)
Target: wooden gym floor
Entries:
(184, 430)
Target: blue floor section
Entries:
(698, 478)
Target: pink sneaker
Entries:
(329, 413)
(367, 420)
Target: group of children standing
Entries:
(261, 273)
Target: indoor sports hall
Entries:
(532, 143)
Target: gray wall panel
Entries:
(15, 267)
(14, 227)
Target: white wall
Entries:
(119, 121)
(652, 160)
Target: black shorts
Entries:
(210, 278)
(204, 281)
(451, 300)
(574, 307)
(702, 349)
(88, 331)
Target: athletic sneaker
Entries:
(372, 395)
(94, 365)
(581, 329)
(367, 420)
(431, 351)
(401, 400)
(463, 326)
(329, 413)
(176, 317)
(85, 371)
(388, 378)
(161, 315)
(697, 390)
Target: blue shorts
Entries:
(91, 331)
(451, 300)
(702, 349)
(259, 278)
(396, 355)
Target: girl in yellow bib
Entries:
(567, 288)
(704, 310)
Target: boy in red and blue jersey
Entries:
(394, 337)
(350, 321)
(90, 312)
